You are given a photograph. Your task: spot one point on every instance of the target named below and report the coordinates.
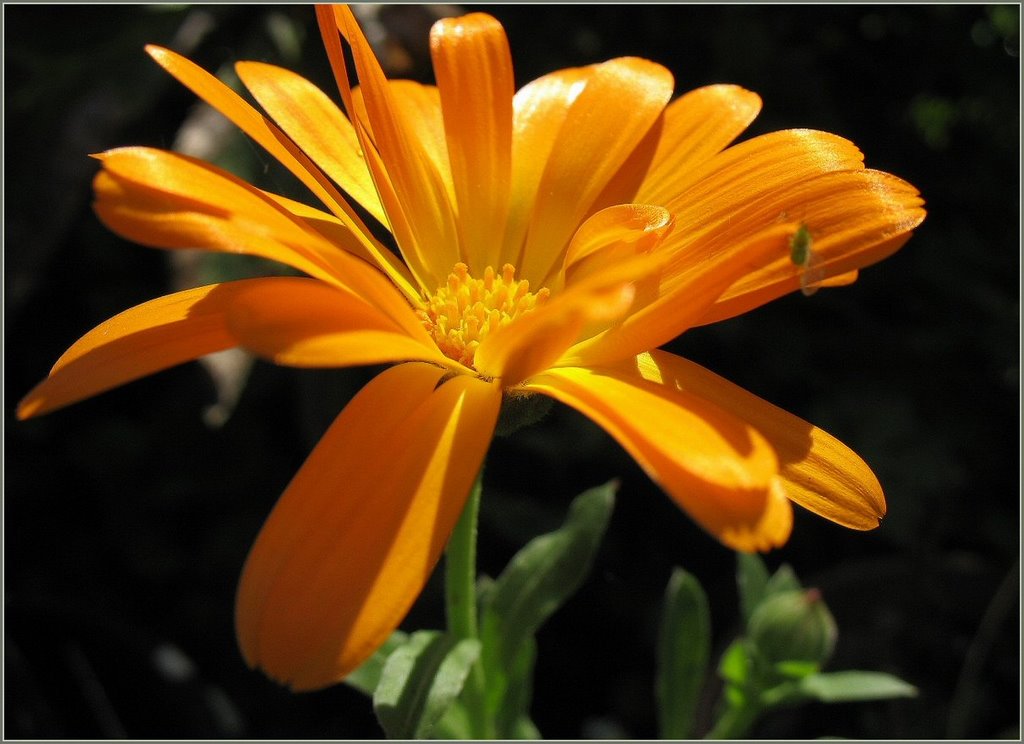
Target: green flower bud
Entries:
(794, 626)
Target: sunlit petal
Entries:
(539, 110)
(680, 299)
(856, 218)
(698, 125)
(714, 465)
(425, 229)
(819, 472)
(357, 533)
(473, 67)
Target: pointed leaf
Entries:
(420, 680)
(752, 580)
(841, 687)
(684, 647)
(536, 582)
(366, 677)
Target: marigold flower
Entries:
(550, 240)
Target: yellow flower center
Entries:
(461, 313)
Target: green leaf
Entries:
(735, 664)
(536, 582)
(840, 687)
(366, 677)
(525, 729)
(752, 580)
(519, 691)
(684, 647)
(420, 680)
(454, 724)
(797, 669)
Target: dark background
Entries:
(128, 517)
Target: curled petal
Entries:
(588, 153)
(148, 338)
(717, 467)
(817, 470)
(358, 531)
(613, 235)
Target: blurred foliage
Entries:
(128, 518)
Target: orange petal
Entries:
(539, 110)
(818, 471)
(855, 218)
(170, 200)
(147, 338)
(698, 125)
(718, 468)
(305, 323)
(263, 131)
(422, 104)
(534, 341)
(357, 533)
(420, 214)
(608, 119)
(316, 125)
(473, 67)
(680, 299)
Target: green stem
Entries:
(737, 721)
(461, 606)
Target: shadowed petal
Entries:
(145, 339)
(712, 463)
(266, 133)
(170, 200)
(819, 472)
(357, 533)
(305, 323)
(473, 67)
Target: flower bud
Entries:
(794, 626)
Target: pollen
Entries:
(463, 311)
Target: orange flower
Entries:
(550, 239)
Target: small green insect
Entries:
(801, 253)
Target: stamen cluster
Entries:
(464, 310)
